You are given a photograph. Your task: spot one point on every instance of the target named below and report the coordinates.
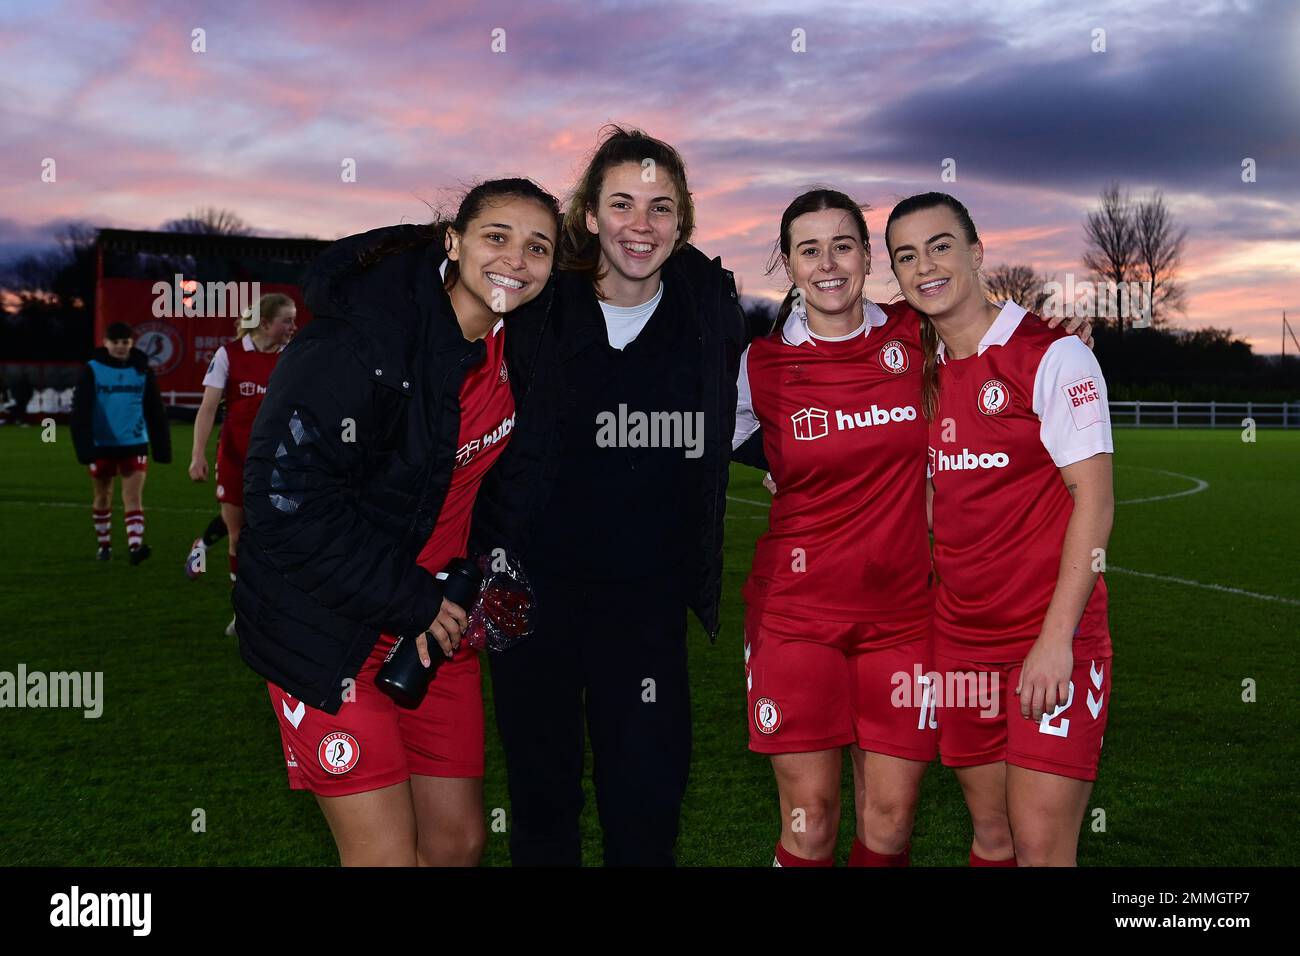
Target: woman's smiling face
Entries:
(828, 261)
(636, 222)
(504, 257)
(936, 267)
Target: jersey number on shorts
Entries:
(1045, 725)
(927, 718)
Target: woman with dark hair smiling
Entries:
(378, 425)
(1020, 475)
(839, 597)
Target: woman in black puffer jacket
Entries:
(379, 423)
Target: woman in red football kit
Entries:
(238, 375)
(838, 598)
(1022, 501)
(409, 333)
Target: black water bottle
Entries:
(402, 676)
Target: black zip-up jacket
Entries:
(538, 350)
(348, 465)
(155, 413)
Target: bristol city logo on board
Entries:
(767, 715)
(809, 423)
(994, 397)
(893, 357)
(338, 752)
(161, 343)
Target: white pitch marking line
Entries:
(1200, 483)
(749, 501)
(1208, 587)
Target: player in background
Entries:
(117, 414)
(1022, 500)
(362, 473)
(238, 374)
(838, 600)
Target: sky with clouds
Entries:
(144, 129)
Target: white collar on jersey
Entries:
(999, 333)
(796, 331)
(442, 271)
(249, 346)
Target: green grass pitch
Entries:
(1191, 773)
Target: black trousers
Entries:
(616, 651)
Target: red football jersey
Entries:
(243, 372)
(1029, 402)
(845, 440)
(487, 416)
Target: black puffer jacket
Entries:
(538, 349)
(349, 463)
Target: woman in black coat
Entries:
(612, 495)
(378, 424)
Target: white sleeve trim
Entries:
(218, 370)
(1071, 403)
(746, 420)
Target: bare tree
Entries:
(1018, 284)
(210, 221)
(62, 279)
(1110, 240)
(1159, 248)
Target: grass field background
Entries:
(1191, 774)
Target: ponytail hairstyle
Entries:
(267, 306)
(472, 204)
(929, 334)
(815, 200)
(579, 248)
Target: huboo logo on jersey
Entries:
(813, 423)
(893, 357)
(251, 388)
(468, 450)
(967, 460)
(994, 397)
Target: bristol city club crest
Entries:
(893, 357)
(767, 715)
(994, 397)
(338, 752)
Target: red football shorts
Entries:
(127, 466)
(230, 476)
(373, 743)
(980, 720)
(817, 685)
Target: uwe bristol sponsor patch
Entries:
(1084, 399)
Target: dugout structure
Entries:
(180, 323)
